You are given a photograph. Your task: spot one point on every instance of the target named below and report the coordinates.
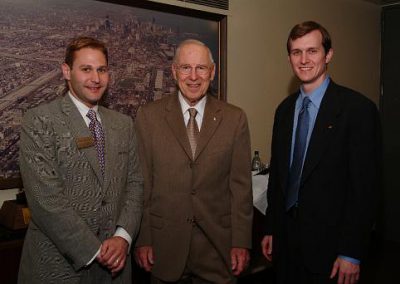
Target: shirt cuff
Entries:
(121, 232)
(350, 259)
(90, 261)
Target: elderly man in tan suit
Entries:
(195, 154)
(84, 188)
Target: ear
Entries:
(329, 56)
(174, 71)
(212, 72)
(66, 70)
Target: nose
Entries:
(304, 57)
(95, 77)
(193, 74)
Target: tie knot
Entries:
(306, 102)
(91, 115)
(192, 112)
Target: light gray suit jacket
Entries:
(73, 207)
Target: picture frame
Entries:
(141, 37)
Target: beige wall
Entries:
(259, 76)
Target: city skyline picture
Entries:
(141, 43)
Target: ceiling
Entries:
(384, 2)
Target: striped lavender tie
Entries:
(98, 135)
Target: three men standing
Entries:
(324, 170)
(82, 179)
(195, 155)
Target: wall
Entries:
(259, 76)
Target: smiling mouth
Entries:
(94, 89)
(193, 86)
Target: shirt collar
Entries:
(317, 95)
(200, 106)
(83, 109)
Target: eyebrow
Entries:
(307, 48)
(91, 66)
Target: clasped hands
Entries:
(113, 254)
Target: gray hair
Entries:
(192, 41)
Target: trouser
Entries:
(204, 264)
(291, 269)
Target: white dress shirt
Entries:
(200, 106)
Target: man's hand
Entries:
(348, 273)
(240, 260)
(144, 257)
(113, 254)
(266, 247)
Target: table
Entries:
(260, 185)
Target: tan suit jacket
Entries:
(73, 208)
(214, 188)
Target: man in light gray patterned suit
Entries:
(84, 190)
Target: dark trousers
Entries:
(291, 269)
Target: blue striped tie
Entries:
(298, 155)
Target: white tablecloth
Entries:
(260, 185)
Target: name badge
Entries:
(84, 142)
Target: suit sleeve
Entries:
(240, 186)
(271, 191)
(145, 154)
(363, 180)
(131, 212)
(43, 184)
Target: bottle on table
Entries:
(256, 164)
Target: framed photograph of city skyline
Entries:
(141, 37)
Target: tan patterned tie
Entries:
(192, 130)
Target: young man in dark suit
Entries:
(324, 170)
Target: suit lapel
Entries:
(285, 140)
(111, 136)
(176, 123)
(79, 130)
(211, 120)
(324, 128)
